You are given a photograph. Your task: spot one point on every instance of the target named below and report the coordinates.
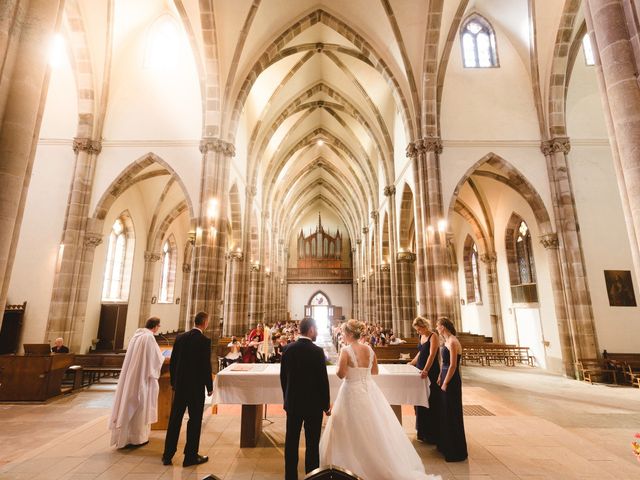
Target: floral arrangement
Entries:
(636, 447)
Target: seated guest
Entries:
(234, 354)
(58, 346)
(256, 332)
(393, 340)
(250, 354)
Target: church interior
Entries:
(271, 160)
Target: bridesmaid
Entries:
(428, 419)
(452, 442)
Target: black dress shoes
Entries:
(166, 461)
(197, 460)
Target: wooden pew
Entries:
(98, 365)
(626, 363)
(32, 377)
(591, 369)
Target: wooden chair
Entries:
(590, 369)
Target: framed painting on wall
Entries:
(620, 288)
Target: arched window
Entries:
(522, 272)
(471, 271)
(524, 255)
(117, 274)
(168, 273)
(478, 43)
(163, 43)
(589, 57)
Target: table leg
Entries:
(397, 409)
(250, 425)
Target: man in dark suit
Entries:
(305, 387)
(190, 370)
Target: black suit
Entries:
(305, 387)
(190, 369)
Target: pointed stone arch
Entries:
(407, 220)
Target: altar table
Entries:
(254, 385)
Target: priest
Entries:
(135, 406)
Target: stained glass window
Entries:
(168, 272)
(589, 57)
(115, 286)
(524, 255)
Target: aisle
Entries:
(326, 343)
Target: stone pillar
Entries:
(355, 308)
(26, 29)
(184, 303)
(613, 28)
(390, 193)
(407, 290)
(207, 290)
(268, 295)
(256, 295)
(384, 296)
(234, 321)
(573, 271)
(70, 288)
(566, 327)
(376, 248)
(150, 261)
(490, 261)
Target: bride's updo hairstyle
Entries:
(353, 327)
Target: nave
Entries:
(520, 424)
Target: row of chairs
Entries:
(491, 353)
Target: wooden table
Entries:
(256, 385)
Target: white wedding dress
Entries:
(363, 434)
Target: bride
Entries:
(363, 434)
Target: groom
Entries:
(305, 387)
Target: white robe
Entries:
(135, 406)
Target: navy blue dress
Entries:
(452, 442)
(428, 419)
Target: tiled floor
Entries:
(544, 427)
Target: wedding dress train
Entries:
(363, 434)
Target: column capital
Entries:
(550, 241)
(424, 145)
(385, 267)
(186, 268)
(191, 238)
(365, 230)
(92, 240)
(555, 145)
(151, 257)
(353, 250)
(358, 241)
(252, 190)
(86, 145)
(374, 216)
(389, 190)
(406, 257)
(255, 267)
(208, 144)
(235, 255)
(489, 257)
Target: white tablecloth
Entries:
(400, 384)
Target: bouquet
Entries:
(636, 447)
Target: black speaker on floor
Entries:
(211, 477)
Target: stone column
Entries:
(207, 290)
(184, 296)
(384, 296)
(150, 261)
(234, 321)
(256, 294)
(354, 284)
(28, 27)
(490, 261)
(390, 193)
(407, 289)
(573, 271)
(376, 247)
(268, 295)
(565, 322)
(70, 288)
(613, 30)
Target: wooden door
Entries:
(113, 321)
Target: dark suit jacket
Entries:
(303, 376)
(62, 349)
(190, 365)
